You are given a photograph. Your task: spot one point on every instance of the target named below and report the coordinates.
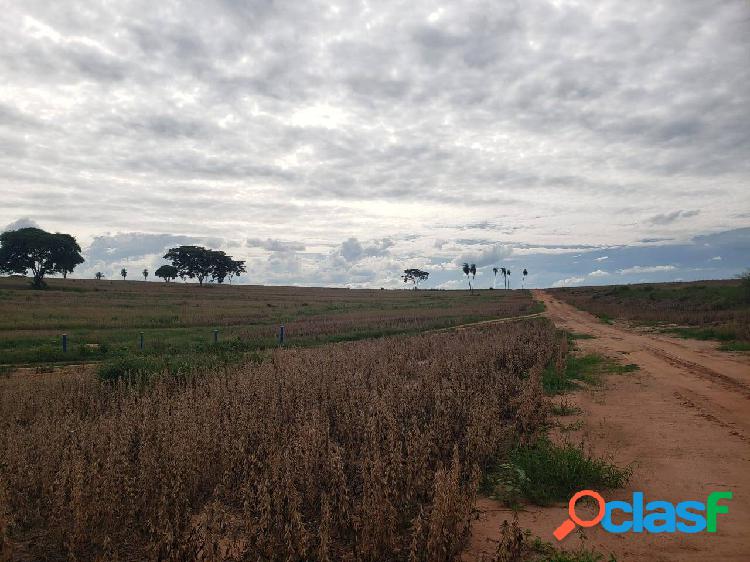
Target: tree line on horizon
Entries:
(46, 253)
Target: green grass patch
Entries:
(606, 318)
(580, 336)
(735, 346)
(590, 368)
(546, 473)
(719, 334)
(555, 383)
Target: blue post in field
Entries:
(141, 342)
(65, 342)
(216, 336)
(281, 334)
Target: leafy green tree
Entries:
(238, 268)
(197, 262)
(39, 251)
(194, 262)
(124, 273)
(167, 272)
(414, 276)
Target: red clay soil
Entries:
(682, 421)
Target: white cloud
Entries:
(601, 258)
(645, 269)
(568, 281)
(598, 273)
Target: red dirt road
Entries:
(682, 421)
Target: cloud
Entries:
(23, 222)
(275, 245)
(536, 126)
(598, 273)
(568, 281)
(601, 258)
(133, 245)
(487, 256)
(669, 218)
(352, 250)
(645, 269)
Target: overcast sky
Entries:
(339, 143)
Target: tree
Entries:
(167, 272)
(39, 251)
(494, 270)
(124, 273)
(470, 270)
(508, 273)
(414, 276)
(99, 275)
(523, 281)
(191, 261)
(145, 274)
(222, 265)
(238, 268)
(197, 262)
(505, 277)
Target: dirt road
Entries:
(682, 421)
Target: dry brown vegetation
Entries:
(358, 451)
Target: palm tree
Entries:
(523, 282)
(470, 270)
(505, 276)
(145, 274)
(124, 273)
(494, 270)
(508, 272)
(99, 275)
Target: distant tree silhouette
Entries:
(124, 273)
(99, 275)
(167, 272)
(523, 282)
(508, 272)
(414, 276)
(505, 277)
(197, 262)
(39, 251)
(470, 270)
(494, 271)
(145, 274)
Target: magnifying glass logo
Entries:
(569, 524)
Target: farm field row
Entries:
(105, 317)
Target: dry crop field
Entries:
(700, 309)
(368, 450)
(101, 317)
